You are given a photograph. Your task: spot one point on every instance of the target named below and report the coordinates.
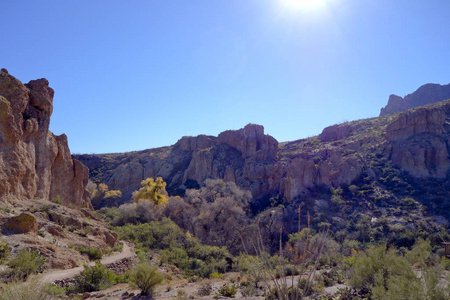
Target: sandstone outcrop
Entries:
(426, 94)
(246, 156)
(250, 140)
(335, 132)
(415, 122)
(419, 141)
(415, 141)
(34, 163)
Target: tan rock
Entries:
(416, 142)
(34, 163)
(250, 140)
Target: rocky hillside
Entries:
(44, 203)
(407, 149)
(34, 163)
(426, 94)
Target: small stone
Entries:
(85, 296)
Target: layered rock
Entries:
(419, 141)
(415, 141)
(250, 140)
(34, 163)
(245, 156)
(426, 94)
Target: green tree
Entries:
(152, 190)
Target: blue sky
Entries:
(132, 75)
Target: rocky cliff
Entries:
(34, 163)
(426, 94)
(415, 142)
(246, 156)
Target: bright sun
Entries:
(306, 4)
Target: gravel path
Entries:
(51, 276)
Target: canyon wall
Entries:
(34, 163)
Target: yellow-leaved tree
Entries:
(102, 196)
(152, 190)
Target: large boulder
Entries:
(23, 223)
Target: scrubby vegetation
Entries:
(95, 278)
(29, 290)
(146, 277)
(25, 263)
(93, 253)
(212, 231)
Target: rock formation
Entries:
(246, 156)
(415, 141)
(34, 163)
(426, 94)
(419, 141)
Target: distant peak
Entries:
(426, 94)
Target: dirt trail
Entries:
(49, 277)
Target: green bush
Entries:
(387, 274)
(26, 262)
(95, 278)
(228, 290)
(146, 277)
(205, 289)
(93, 253)
(176, 247)
(215, 275)
(4, 251)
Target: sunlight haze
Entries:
(132, 75)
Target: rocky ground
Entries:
(54, 230)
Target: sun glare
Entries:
(304, 4)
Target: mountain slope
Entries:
(398, 154)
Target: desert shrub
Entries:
(205, 289)
(386, 273)
(94, 278)
(420, 252)
(215, 275)
(176, 247)
(436, 289)
(249, 291)
(445, 263)
(132, 213)
(228, 290)
(182, 295)
(56, 290)
(146, 277)
(93, 253)
(31, 290)
(250, 266)
(26, 262)
(5, 250)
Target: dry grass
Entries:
(31, 290)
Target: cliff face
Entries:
(34, 163)
(246, 156)
(426, 94)
(415, 141)
(419, 141)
